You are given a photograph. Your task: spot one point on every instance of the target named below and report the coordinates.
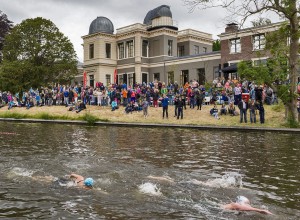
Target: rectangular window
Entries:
(144, 77)
(145, 48)
(121, 50)
(181, 51)
(129, 47)
(196, 49)
(108, 79)
(92, 80)
(170, 48)
(91, 51)
(259, 42)
(235, 45)
(260, 62)
(131, 79)
(204, 49)
(156, 76)
(108, 50)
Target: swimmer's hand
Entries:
(266, 212)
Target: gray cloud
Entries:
(73, 17)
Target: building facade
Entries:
(244, 45)
(148, 51)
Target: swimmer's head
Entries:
(88, 182)
(242, 200)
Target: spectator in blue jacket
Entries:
(165, 104)
(114, 105)
(66, 97)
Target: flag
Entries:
(115, 76)
(84, 79)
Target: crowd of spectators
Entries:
(228, 93)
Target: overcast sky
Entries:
(73, 17)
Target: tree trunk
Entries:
(293, 62)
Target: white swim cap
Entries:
(242, 200)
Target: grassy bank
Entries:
(274, 116)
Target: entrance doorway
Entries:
(145, 78)
(184, 77)
(201, 76)
(171, 77)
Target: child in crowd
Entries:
(231, 109)
(145, 105)
(81, 107)
(129, 108)
(214, 112)
(114, 105)
(12, 103)
(223, 110)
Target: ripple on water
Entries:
(120, 159)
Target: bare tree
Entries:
(286, 9)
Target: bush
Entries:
(45, 116)
(13, 115)
(89, 118)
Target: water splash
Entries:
(18, 171)
(69, 205)
(230, 179)
(150, 188)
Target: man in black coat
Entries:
(243, 106)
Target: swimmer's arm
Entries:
(76, 176)
(262, 211)
(238, 207)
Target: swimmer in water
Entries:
(243, 204)
(161, 178)
(80, 181)
(77, 179)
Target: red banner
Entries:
(84, 79)
(115, 76)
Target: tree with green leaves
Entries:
(5, 27)
(36, 54)
(287, 9)
(216, 45)
(260, 74)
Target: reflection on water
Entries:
(140, 173)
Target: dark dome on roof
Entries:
(102, 25)
(161, 11)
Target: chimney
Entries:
(232, 27)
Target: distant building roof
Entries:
(161, 11)
(102, 25)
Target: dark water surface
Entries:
(201, 170)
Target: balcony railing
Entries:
(163, 22)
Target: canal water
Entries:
(146, 173)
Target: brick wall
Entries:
(246, 53)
